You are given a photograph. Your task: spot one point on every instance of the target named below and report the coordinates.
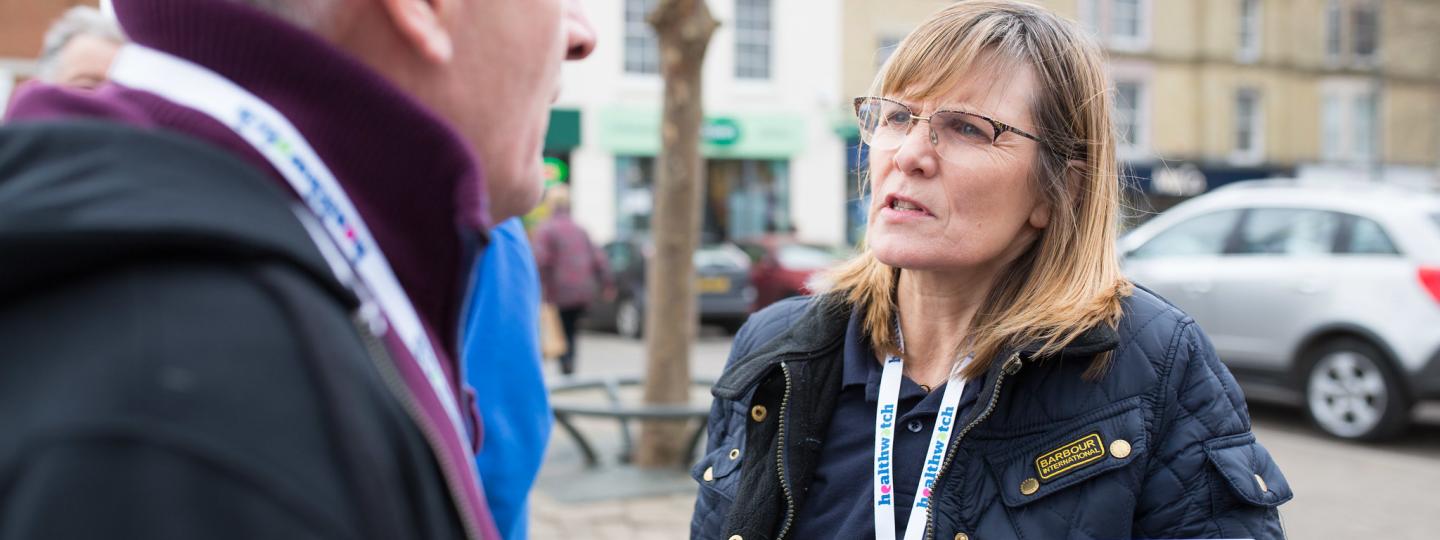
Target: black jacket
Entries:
(1190, 469)
(177, 361)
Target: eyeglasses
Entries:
(884, 124)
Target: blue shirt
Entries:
(840, 503)
(502, 363)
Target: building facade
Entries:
(771, 78)
(1210, 92)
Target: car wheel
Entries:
(629, 320)
(1351, 392)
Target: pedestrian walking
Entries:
(573, 272)
(983, 369)
(231, 278)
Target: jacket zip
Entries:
(382, 359)
(780, 457)
(1012, 365)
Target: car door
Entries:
(1179, 263)
(1277, 283)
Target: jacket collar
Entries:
(821, 329)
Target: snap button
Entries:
(709, 475)
(734, 453)
(1261, 481)
(758, 412)
(1029, 486)
(962, 536)
(1120, 448)
(915, 426)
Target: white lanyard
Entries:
(886, 413)
(259, 124)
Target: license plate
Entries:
(714, 285)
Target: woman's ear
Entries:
(420, 22)
(1074, 177)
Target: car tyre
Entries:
(629, 319)
(1352, 392)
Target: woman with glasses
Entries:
(982, 369)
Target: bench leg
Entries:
(585, 448)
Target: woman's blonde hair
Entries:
(1069, 280)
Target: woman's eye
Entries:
(967, 130)
(897, 118)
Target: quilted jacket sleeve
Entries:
(1208, 477)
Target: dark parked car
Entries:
(723, 281)
(782, 265)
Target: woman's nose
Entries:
(916, 155)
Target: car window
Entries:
(1288, 231)
(1197, 236)
(721, 257)
(803, 257)
(1368, 237)
(619, 255)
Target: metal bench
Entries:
(623, 413)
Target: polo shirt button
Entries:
(915, 426)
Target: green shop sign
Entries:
(556, 172)
(636, 131)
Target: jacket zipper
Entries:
(382, 359)
(780, 458)
(1012, 365)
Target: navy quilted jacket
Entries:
(1193, 468)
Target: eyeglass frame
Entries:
(915, 119)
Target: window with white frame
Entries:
(1249, 127)
(1333, 24)
(1122, 24)
(1125, 19)
(1131, 116)
(1090, 15)
(1349, 123)
(1332, 124)
(642, 46)
(1366, 125)
(752, 39)
(1365, 30)
(1250, 25)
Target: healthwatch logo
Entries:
(882, 460)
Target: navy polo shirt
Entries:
(840, 502)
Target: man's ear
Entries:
(420, 23)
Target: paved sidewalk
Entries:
(615, 500)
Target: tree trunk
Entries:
(684, 28)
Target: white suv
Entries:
(1326, 295)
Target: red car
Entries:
(782, 265)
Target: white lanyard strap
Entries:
(280, 142)
(886, 413)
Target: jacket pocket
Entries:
(1248, 469)
(1071, 455)
(716, 472)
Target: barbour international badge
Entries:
(1069, 457)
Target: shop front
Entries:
(746, 173)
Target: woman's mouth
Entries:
(897, 206)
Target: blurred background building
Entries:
(1208, 92)
(772, 77)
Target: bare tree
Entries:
(684, 27)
